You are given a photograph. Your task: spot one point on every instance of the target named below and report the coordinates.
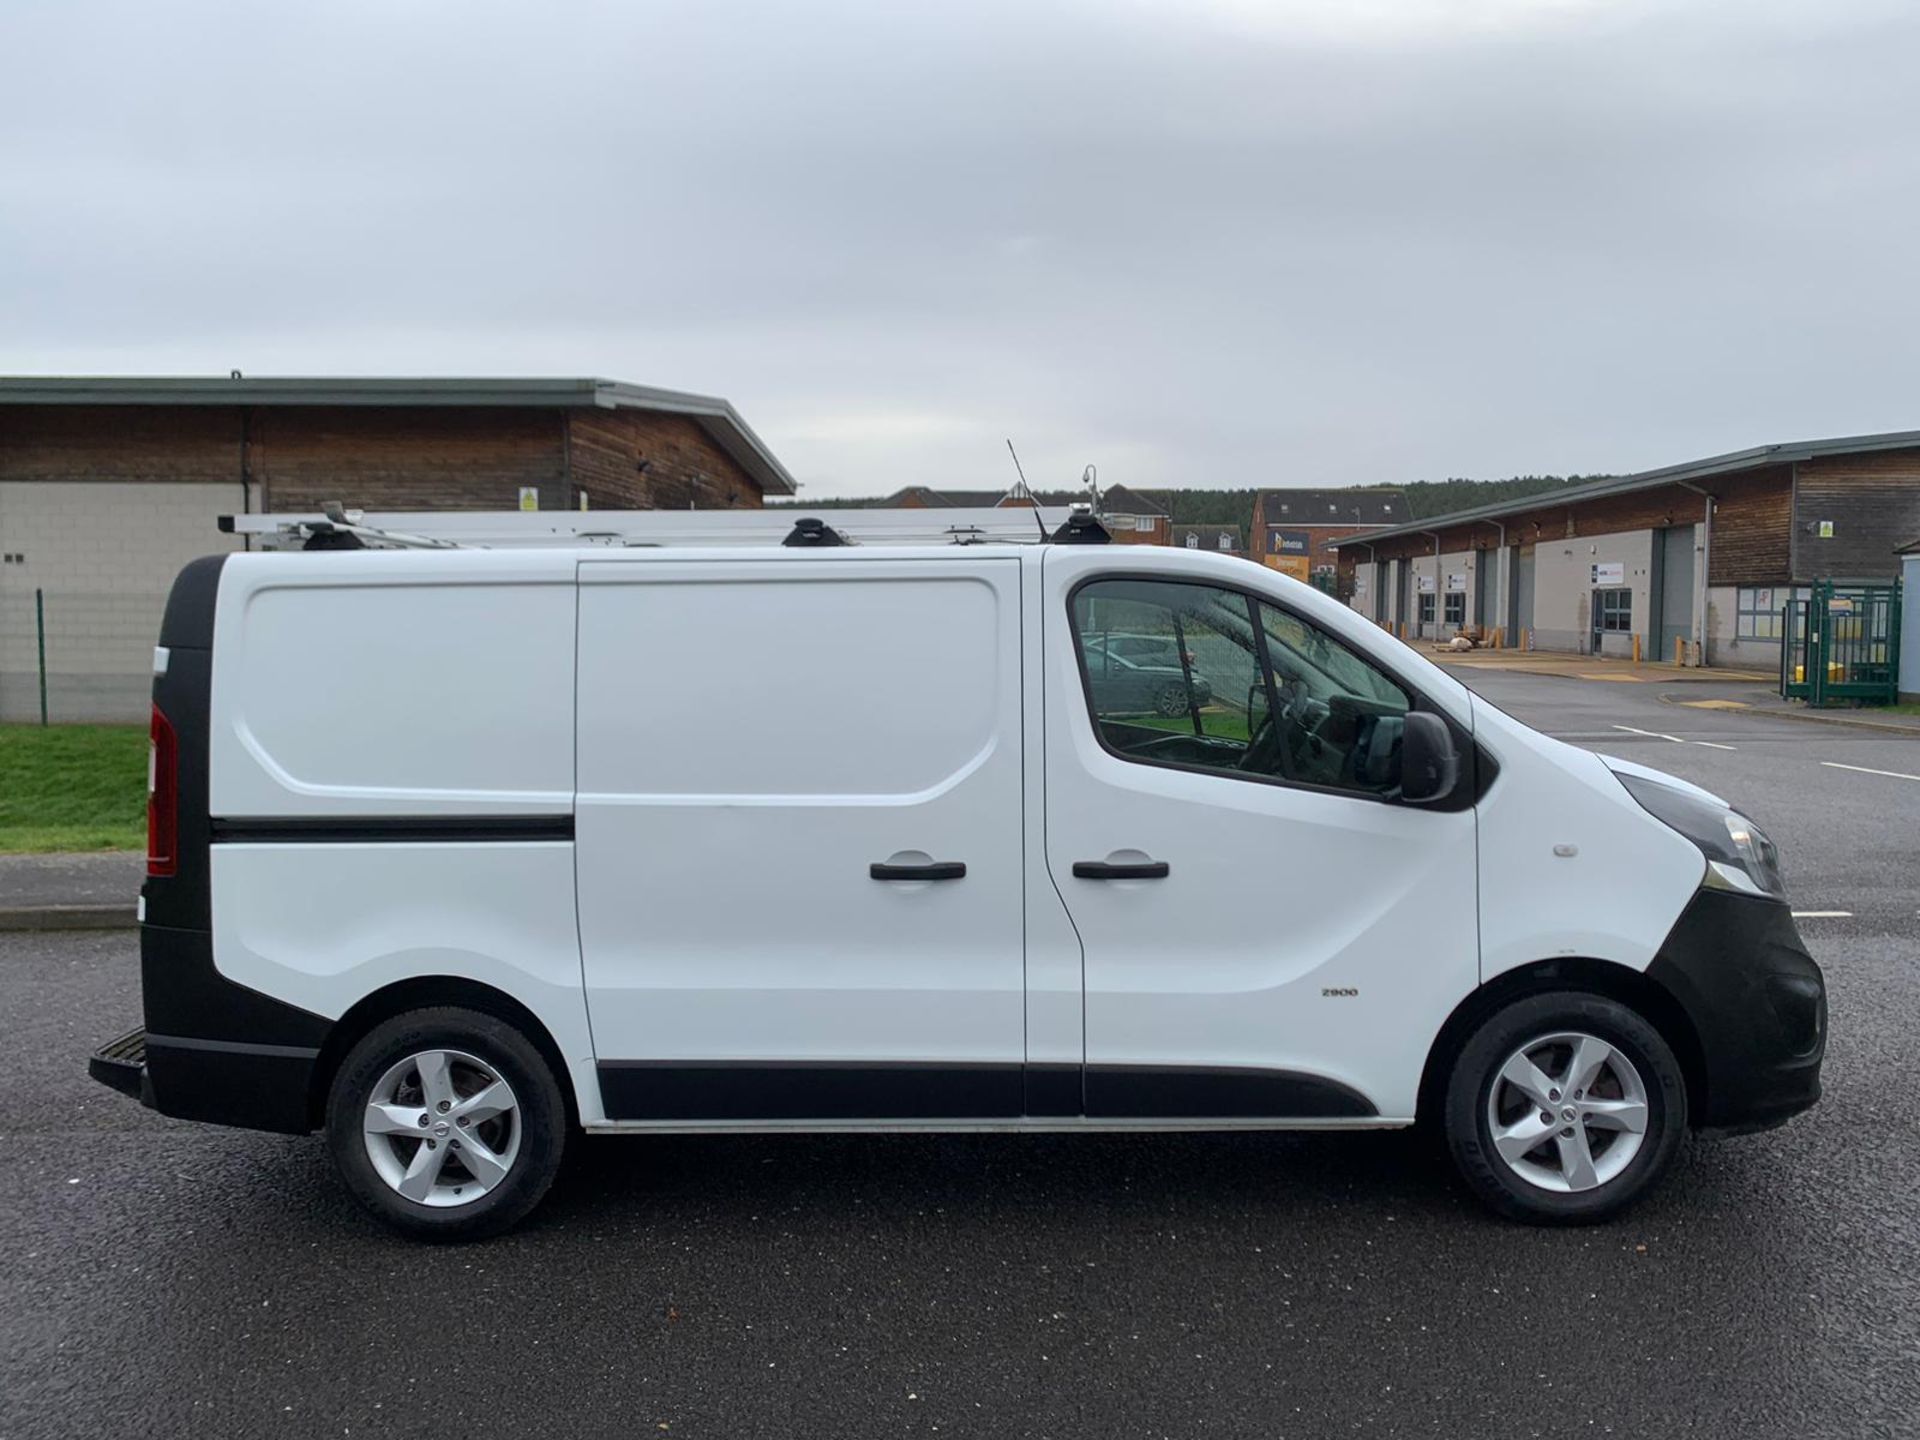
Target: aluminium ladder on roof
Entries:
(572, 529)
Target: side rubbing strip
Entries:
(378, 829)
(1142, 1092)
(746, 1090)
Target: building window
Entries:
(1226, 542)
(1193, 542)
(1426, 609)
(1456, 608)
(1613, 611)
(1757, 612)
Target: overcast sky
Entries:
(1212, 242)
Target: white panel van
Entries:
(453, 854)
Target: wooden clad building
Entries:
(109, 486)
(1702, 555)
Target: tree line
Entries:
(1191, 505)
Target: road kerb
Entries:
(1910, 732)
(67, 917)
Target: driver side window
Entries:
(1200, 677)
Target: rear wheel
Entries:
(1565, 1108)
(446, 1123)
(1172, 700)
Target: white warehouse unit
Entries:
(88, 568)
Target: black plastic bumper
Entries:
(1758, 1004)
(191, 1061)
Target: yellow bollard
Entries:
(1636, 649)
(1679, 650)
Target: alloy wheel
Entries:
(1567, 1112)
(442, 1128)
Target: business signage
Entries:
(1425, 583)
(1288, 542)
(1456, 581)
(1613, 572)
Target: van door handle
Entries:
(1102, 870)
(932, 870)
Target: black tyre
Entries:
(1565, 1108)
(446, 1123)
(1172, 700)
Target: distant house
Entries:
(1223, 539)
(1294, 530)
(1130, 518)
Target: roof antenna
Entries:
(1026, 491)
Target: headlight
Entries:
(1739, 855)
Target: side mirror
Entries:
(1429, 765)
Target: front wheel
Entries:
(446, 1123)
(1172, 701)
(1565, 1108)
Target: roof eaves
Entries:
(1732, 462)
(714, 415)
(717, 417)
(194, 390)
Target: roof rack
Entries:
(338, 528)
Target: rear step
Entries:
(122, 1065)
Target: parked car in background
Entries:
(1142, 673)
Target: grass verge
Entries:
(72, 787)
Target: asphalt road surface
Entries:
(167, 1279)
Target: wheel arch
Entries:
(1609, 978)
(422, 992)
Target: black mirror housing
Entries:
(1429, 760)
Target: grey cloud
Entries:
(1202, 243)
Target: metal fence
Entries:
(76, 655)
(1841, 644)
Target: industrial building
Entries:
(109, 486)
(1696, 560)
(1294, 531)
(1130, 517)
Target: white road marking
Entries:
(1650, 734)
(1823, 914)
(1658, 735)
(1895, 774)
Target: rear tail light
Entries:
(163, 797)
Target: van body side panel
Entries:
(755, 736)
(322, 925)
(214, 1050)
(390, 787)
(1618, 892)
(369, 683)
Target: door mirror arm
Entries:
(1429, 760)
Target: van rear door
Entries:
(799, 836)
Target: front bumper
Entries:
(1758, 1005)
